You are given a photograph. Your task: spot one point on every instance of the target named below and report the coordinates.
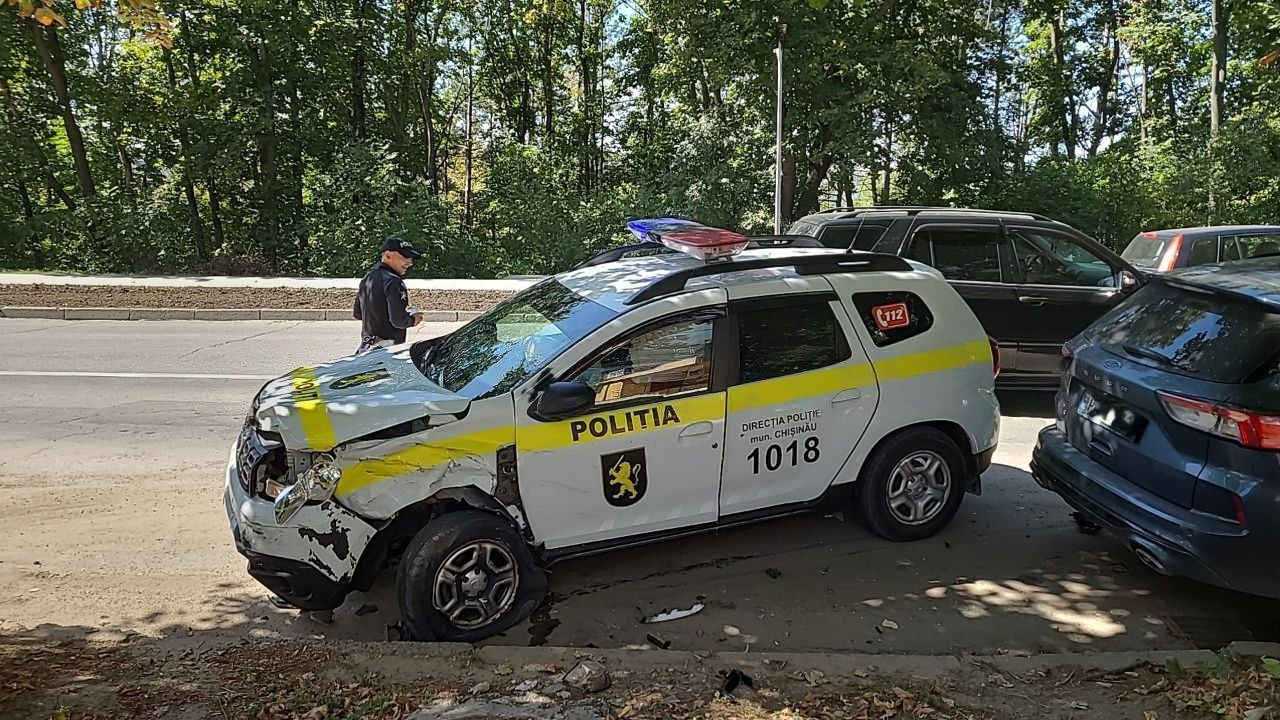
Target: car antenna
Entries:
(857, 231)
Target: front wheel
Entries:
(912, 485)
(467, 576)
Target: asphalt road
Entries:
(114, 435)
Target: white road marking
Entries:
(145, 376)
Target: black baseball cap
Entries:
(395, 243)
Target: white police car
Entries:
(620, 403)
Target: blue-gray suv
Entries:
(1168, 425)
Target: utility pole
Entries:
(777, 156)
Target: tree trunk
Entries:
(1217, 95)
(188, 186)
(45, 40)
(16, 121)
(466, 192)
(269, 227)
(28, 208)
(215, 212)
(1065, 123)
(357, 75)
(548, 76)
(1106, 104)
(888, 159)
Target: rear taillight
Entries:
(995, 357)
(1251, 429)
(1170, 257)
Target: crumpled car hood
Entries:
(317, 408)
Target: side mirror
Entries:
(562, 399)
(1128, 281)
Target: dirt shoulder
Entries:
(120, 296)
(93, 676)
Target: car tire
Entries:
(466, 576)
(912, 485)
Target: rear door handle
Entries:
(697, 429)
(1032, 299)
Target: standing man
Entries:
(382, 303)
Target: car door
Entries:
(645, 456)
(976, 259)
(1064, 285)
(801, 395)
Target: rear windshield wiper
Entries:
(1142, 352)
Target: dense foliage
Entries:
(513, 136)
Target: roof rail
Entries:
(615, 254)
(917, 209)
(754, 242)
(803, 264)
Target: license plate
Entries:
(1112, 416)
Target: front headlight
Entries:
(317, 484)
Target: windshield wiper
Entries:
(1142, 352)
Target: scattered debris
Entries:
(947, 544)
(860, 673)
(394, 633)
(480, 688)
(525, 686)
(773, 573)
(1079, 705)
(891, 625)
(502, 670)
(737, 685)
(366, 609)
(277, 601)
(588, 676)
(553, 689)
(1085, 525)
(545, 668)
(323, 617)
(813, 678)
(658, 641)
(668, 615)
(732, 631)
(504, 710)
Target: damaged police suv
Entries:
(623, 402)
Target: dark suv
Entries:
(1168, 425)
(1034, 283)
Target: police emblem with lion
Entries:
(625, 476)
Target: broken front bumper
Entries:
(308, 561)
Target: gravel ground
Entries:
(229, 298)
(72, 677)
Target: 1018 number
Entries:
(791, 454)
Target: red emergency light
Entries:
(706, 244)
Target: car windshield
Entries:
(496, 351)
(1145, 250)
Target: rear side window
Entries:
(1199, 335)
(891, 317)
(961, 254)
(785, 339)
(1203, 251)
(1255, 245)
(859, 237)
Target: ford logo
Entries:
(1111, 364)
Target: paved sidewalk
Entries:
(510, 284)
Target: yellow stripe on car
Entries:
(782, 390)
(932, 361)
(418, 458)
(312, 413)
(638, 420)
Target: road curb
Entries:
(214, 314)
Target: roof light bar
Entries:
(705, 243)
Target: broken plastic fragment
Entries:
(667, 615)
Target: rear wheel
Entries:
(467, 576)
(912, 485)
